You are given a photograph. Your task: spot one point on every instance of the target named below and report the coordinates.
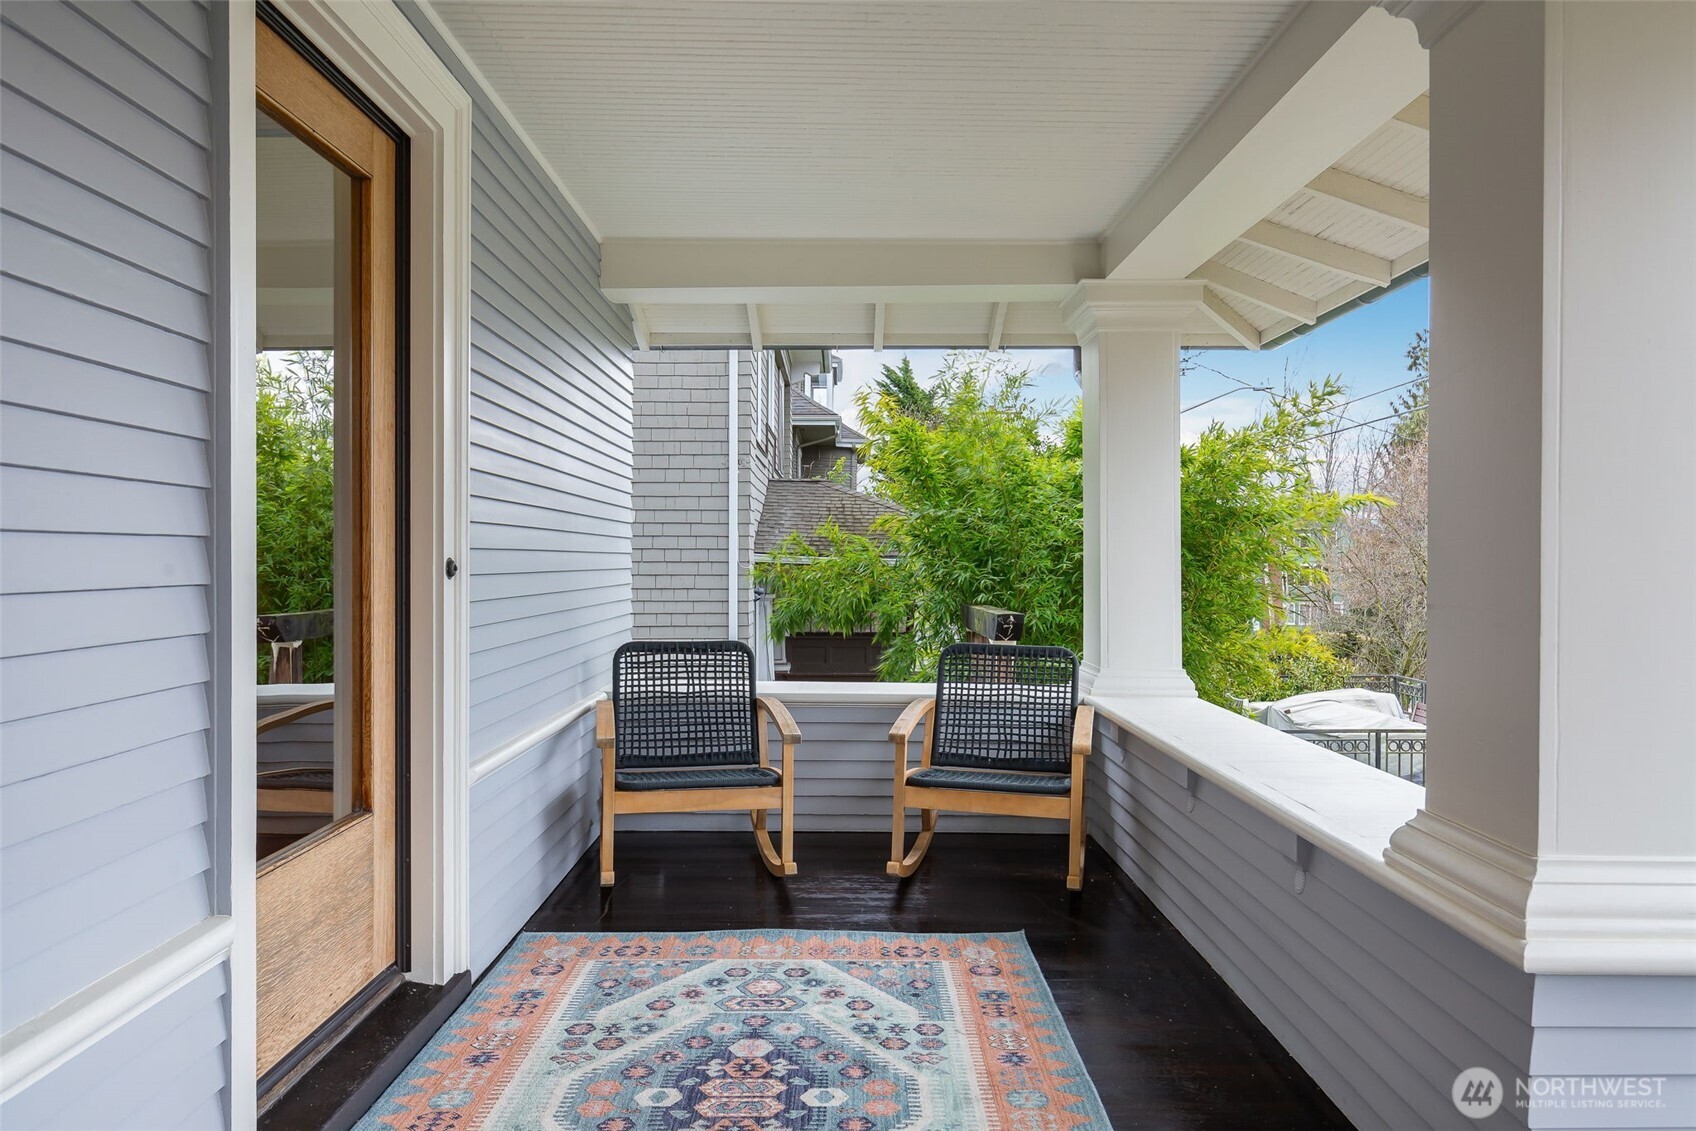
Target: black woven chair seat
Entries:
(993, 782)
(729, 777)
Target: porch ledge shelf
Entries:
(844, 691)
(1345, 807)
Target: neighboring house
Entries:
(823, 442)
(692, 557)
(801, 506)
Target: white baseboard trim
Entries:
(34, 1048)
(515, 748)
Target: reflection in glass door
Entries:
(304, 263)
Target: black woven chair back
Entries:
(684, 703)
(1005, 707)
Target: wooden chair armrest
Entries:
(1083, 732)
(911, 718)
(605, 731)
(780, 715)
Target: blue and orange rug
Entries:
(744, 1031)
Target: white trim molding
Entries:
(377, 48)
(34, 1048)
(1612, 915)
(515, 748)
(233, 705)
(1478, 879)
(1553, 914)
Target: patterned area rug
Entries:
(741, 1031)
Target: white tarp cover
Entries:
(1343, 710)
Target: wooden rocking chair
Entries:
(1006, 736)
(684, 733)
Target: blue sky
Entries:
(1365, 348)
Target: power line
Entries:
(1227, 393)
(1380, 392)
(1228, 377)
(1366, 424)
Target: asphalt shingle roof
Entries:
(801, 506)
(806, 411)
(804, 406)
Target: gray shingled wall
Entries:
(681, 538)
(682, 492)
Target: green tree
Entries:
(992, 492)
(1251, 509)
(906, 394)
(296, 487)
(993, 497)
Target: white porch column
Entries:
(1133, 617)
(1560, 810)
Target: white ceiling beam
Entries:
(1287, 303)
(1242, 331)
(1333, 76)
(843, 271)
(878, 309)
(755, 337)
(1417, 113)
(639, 317)
(1370, 196)
(997, 321)
(1336, 257)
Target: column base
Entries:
(1554, 914)
(1134, 683)
(1481, 885)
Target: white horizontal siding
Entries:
(530, 822)
(1638, 1027)
(1379, 1002)
(104, 569)
(164, 1068)
(549, 568)
(550, 463)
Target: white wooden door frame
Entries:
(374, 45)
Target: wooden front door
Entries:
(328, 540)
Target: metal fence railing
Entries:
(1408, 690)
(1397, 752)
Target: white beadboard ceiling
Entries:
(1029, 121)
(1394, 156)
(1025, 124)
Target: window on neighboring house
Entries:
(774, 405)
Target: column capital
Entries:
(1103, 305)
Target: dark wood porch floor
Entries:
(1167, 1043)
